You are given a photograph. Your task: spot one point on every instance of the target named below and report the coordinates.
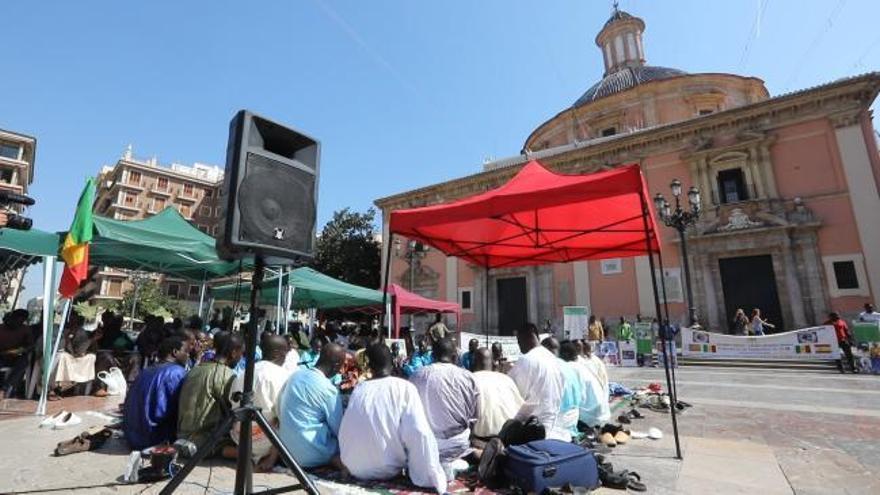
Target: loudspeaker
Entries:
(270, 192)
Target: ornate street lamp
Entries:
(680, 219)
(414, 250)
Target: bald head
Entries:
(482, 360)
(275, 348)
(331, 359)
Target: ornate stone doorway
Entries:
(749, 282)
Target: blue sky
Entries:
(401, 93)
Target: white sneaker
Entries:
(67, 420)
(50, 421)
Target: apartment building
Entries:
(17, 153)
(134, 189)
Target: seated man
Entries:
(150, 409)
(420, 357)
(204, 398)
(499, 398)
(450, 396)
(16, 341)
(384, 429)
(310, 411)
(539, 380)
(572, 388)
(595, 365)
(467, 359)
(76, 361)
(269, 379)
(594, 409)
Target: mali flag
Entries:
(75, 250)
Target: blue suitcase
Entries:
(537, 465)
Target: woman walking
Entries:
(758, 324)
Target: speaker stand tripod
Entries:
(246, 413)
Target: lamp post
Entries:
(414, 250)
(680, 219)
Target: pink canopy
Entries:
(406, 302)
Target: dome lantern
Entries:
(621, 41)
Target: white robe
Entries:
(539, 380)
(595, 410)
(385, 430)
(500, 400)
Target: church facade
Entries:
(789, 185)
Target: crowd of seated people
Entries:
(356, 403)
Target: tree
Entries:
(347, 248)
(150, 301)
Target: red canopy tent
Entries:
(541, 217)
(406, 302)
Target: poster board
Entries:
(818, 343)
(644, 337)
(609, 352)
(866, 331)
(574, 321)
(627, 353)
(399, 342)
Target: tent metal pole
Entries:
(674, 390)
(650, 249)
(385, 311)
(48, 326)
(486, 307)
(202, 296)
(278, 300)
(288, 303)
(54, 354)
(21, 276)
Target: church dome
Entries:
(624, 79)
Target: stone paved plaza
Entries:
(750, 431)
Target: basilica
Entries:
(790, 203)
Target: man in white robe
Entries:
(594, 409)
(500, 400)
(539, 379)
(385, 430)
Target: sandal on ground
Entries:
(635, 414)
(623, 480)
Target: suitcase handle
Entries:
(549, 471)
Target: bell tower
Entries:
(621, 41)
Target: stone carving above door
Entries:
(739, 220)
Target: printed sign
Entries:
(866, 331)
(509, 345)
(627, 353)
(609, 352)
(644, 337)
(807, 343)
(574, 321)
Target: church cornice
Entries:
(842, 101)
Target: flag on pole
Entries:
(75, 250)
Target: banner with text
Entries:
(808, 343)
(509, 345)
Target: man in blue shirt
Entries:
(421, 357)
(150, 410)
(467, 359)
(310, 412)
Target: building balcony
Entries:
(11, 187)
(188, 198)
(167, 191)
(135, 206)
(135, 186)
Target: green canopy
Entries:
(164, 243)
(19, 248)
(313, 289)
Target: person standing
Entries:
(740, 323)
(625, 331)
(869, 314)
(438, 330)
(758, 324)
(595, 330)
(844, 340)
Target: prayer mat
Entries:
(330, 481)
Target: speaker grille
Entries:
(276, 204)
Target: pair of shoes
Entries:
(623, 480)
(607, 439)
(91, 439)
(63, 419)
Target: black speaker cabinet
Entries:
(270, 192)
